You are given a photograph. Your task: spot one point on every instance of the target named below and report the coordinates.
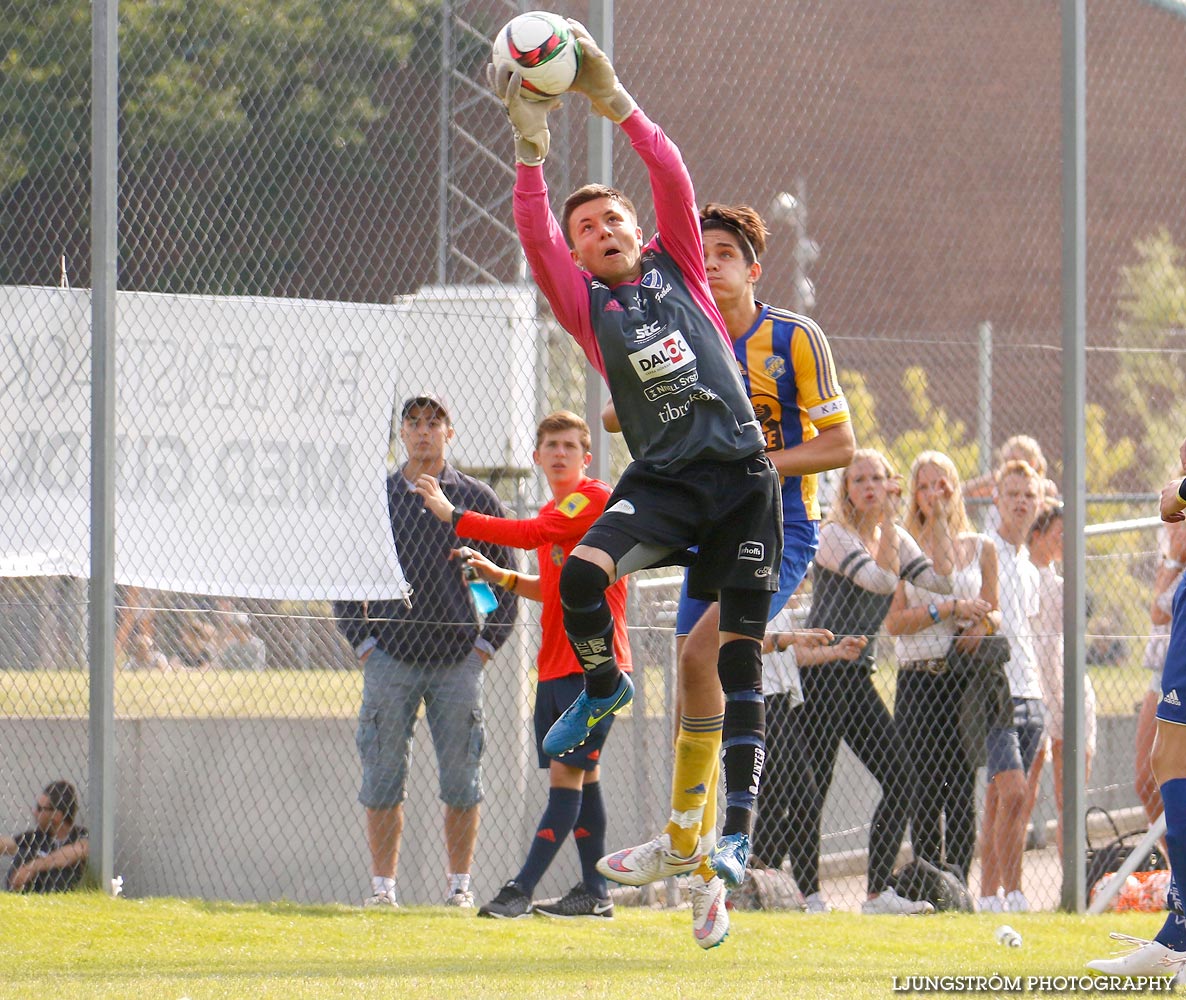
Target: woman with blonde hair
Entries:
(927, 707)
(863, 554)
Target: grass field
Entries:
(288, 694)
(335, 694)
(89, 946)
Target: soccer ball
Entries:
(541, 48)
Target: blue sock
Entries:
(1173, 795)
(589, 834)
(555, 825)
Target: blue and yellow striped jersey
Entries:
(788, 371)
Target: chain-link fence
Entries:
(314, 226)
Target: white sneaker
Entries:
(710, 916)
(992, 904)
(647, 863)
(889, 902)
(462, 898)
(1148, 958)
(1015, 902)
(815, 903)
(382, 899)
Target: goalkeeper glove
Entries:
(529, 119)
(598, 80)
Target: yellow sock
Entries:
(709, 823)
(697, 751)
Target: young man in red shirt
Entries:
(574, 801)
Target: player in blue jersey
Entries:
(787, 368)
(1165, 955)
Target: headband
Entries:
(730, 227)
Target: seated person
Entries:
(143, 654)
(242, 649)
(52, 856)
(195, 646)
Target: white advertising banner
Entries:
(251, 443)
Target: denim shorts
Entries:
(392, 693)
(1013, 748)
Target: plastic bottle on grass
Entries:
(1007, 936)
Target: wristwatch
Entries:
(458, 513)
(933, 611)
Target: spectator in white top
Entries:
(1045, 545)
(1011, 749)
(927, 705)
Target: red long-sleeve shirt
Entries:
(554, 533)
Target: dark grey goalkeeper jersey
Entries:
(673, 377)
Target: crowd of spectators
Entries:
(217, 635)
(905, 559)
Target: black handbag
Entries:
(991, 653)
(1109, 857)
(942, 887)
(986, 701)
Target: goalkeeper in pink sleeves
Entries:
(700, 490)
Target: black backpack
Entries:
(1109, 857)
(943, 887)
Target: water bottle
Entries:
(1007, 936)
(484, 598)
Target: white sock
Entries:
(458, 883)
(380, 883)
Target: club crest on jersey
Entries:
(652, 279)
(661, 359)
(776, 367)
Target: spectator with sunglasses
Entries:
(52, 856)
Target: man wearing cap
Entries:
(428, 651)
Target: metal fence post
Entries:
(1074, 401)
(104, 220)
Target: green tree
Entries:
(1150, 375)
(233, 115)
(862, 408)
(933, 428)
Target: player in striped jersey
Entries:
(788, 371)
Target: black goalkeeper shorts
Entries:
(729, 513)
